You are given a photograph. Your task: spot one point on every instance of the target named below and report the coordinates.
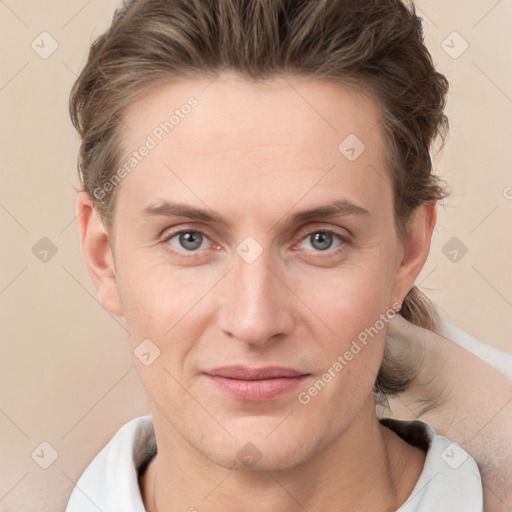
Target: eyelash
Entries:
(343, 239)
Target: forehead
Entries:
(276, 136)
(284, 109)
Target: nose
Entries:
(256, 307)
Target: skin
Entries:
(256, 155)
(464, 399)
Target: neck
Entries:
(366, 468)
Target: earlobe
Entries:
(415, 248)
(95, 246)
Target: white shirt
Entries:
(450, 480)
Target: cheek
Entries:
(356, 311)
(351, 298)
(173, 307)
(355, 305)
(156, 296)
(165, 315)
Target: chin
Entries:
(263, 458)
(258, 447)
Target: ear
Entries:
(95, 245)
(415, 248)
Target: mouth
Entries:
(256, 384)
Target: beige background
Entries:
(66, 373)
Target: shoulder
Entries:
(110, 482)
(498, 359)
(450, 480)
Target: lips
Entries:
(256, 384)
(245, 373)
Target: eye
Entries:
(189, 240)
(322, 240)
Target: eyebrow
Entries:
(169, 209)
(337, 208)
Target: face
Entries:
(253, 252)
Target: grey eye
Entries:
(321, 240)
(188, 240)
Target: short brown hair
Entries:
(376, 45)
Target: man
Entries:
(250, 238)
